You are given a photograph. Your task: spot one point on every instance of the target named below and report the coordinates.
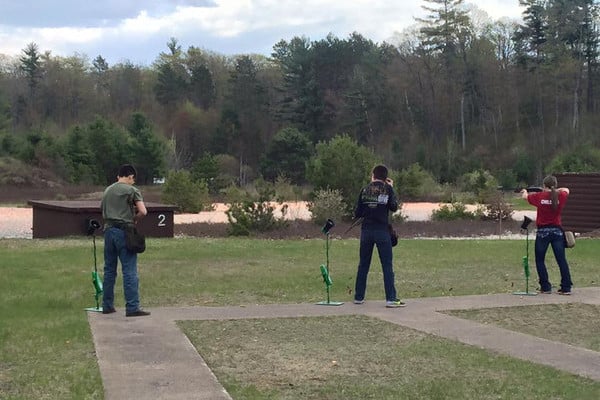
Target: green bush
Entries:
(452, 212)
(507, 179)
(477, 182)
(285, 190)
(233, 194)
(341, 164)
(581, 159)
(181, 190)
(327, 204)
(451, 194)
(416, 183)
(247, 216)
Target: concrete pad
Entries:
(150, 358)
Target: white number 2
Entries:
(161, 220)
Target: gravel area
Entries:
(16, 222)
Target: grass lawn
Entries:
(575, 324)
(46, 349)
(518, 203)
(357, 357)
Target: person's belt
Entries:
(120, 225)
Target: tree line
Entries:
(455, 93)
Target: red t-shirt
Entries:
(543, 201)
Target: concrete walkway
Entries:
(150, 358)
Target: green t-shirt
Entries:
(118, 203)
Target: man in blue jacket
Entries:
(375, 202)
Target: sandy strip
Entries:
(17, 222)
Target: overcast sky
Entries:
(138, 30)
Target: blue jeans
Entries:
(551, 236)
(369, 238)
(114, 250)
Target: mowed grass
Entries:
(46, 348)
(574, 323)
(357, 357)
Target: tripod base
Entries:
(94, 309)
(525, 293)
(330, 303)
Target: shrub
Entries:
(233, 194)
(248, 216)
(181, 190)
(581, 159)
(328, 203)
(495, 207)
(477, 182)
(507, 178)
(285, 190)
(341, 164)
(452, 212)
(416, 183)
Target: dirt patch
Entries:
(301, 229)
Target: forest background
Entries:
(457, 101)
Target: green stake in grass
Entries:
(92, 225)
(325, 268)
(525, 226)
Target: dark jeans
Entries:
(369, 238)
(114, 250)
(551, 236)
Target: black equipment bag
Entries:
(134, 240)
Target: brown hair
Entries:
(380, 172)
(550, 182)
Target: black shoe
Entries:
(564, 292)
(138, 313)
(108, 310)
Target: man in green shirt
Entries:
(122, 205)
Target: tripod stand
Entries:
(525, 226)
(92, 225)
(325, 267)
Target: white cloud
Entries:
(224, 26)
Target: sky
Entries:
(138, 30)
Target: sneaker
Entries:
(395, 304)
(564, 292)
(138, 313)
(544, 291)
(359, 301)
(108, 310)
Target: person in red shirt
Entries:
(550, 203)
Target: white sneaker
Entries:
(358, 301)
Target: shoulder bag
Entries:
(135, 241)
(569, 239)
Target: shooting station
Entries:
(325, 267)
(71, 218)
